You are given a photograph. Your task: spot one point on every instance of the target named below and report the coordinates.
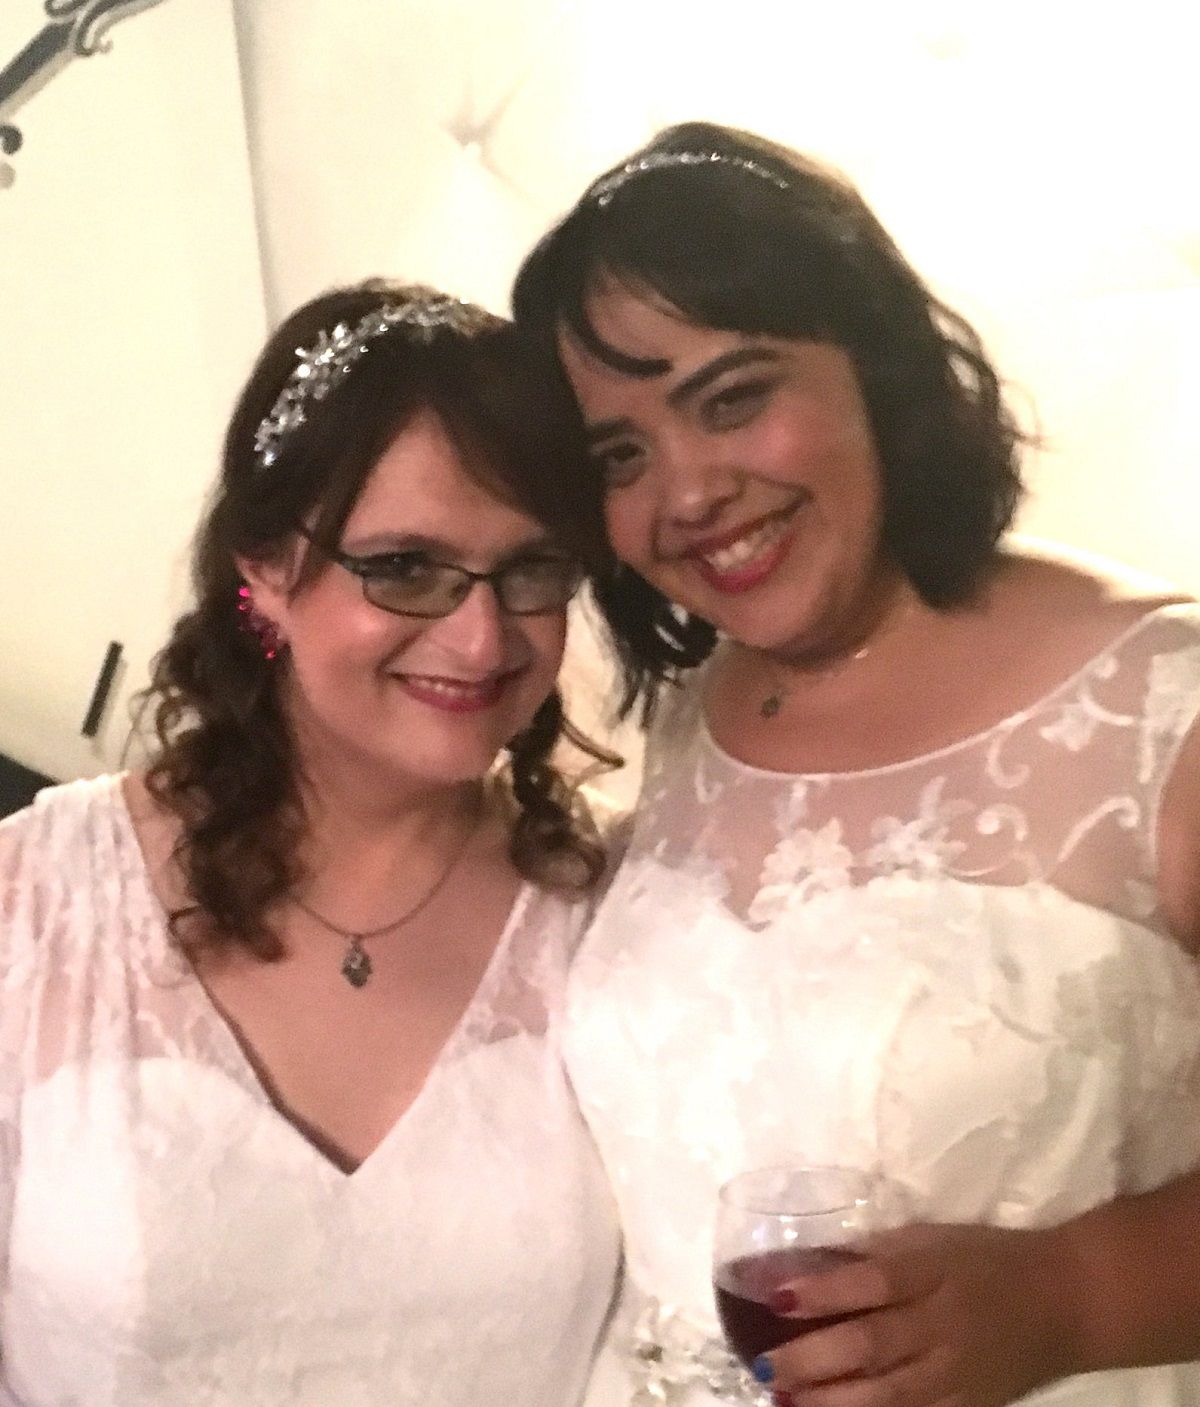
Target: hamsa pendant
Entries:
(356, 965)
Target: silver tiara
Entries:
(604, 189)
(321, 367)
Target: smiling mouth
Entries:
(457, 695)
(738, 562)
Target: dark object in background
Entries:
(18, 785)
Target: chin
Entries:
(758, 625)
(449, 765)
(779, 616)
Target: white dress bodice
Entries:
(168, 1239)
(951, 971)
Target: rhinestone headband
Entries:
(604, 189)
(321, 367)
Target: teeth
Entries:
(745, 549)
(449, 689)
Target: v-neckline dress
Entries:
(170, 1237)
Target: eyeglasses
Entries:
(413, 583)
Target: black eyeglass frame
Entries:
(497, 578)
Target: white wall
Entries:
(130, 304)
(1034, 159)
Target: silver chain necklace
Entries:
(775, 700)
(356, 961)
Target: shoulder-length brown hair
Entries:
(225, 761)
(745, 235)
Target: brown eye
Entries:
(619, 464)
(403, 569)
(736, 405)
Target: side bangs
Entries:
(712, 274)
(513, 421)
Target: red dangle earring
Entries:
(260, 626)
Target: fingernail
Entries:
(782, 1399)
(783, 1301)
(763, 1369)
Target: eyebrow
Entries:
(727, 361)
(690, 386)
(382, 545)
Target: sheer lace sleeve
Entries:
(19, 900)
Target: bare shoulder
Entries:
(1045, 614)
(1064, 607)
(1079, 590)
(1052, 610)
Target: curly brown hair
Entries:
(763, 240)
(225, 763)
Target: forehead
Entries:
(420, 485)
(646, 325)
(647, 328)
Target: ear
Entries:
(271, 582)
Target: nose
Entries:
(695, 483)
(473, 634)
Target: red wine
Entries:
(744, 1286)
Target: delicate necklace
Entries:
(782, 690)
(356, 962)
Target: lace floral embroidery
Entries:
(922, 844)
(801, 865)
(1170, 705)
(1080, 716)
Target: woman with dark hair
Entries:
(914, 882)
(282, 1117)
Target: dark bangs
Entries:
(729, 250)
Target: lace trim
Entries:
(667, 1356)
(1098, 666)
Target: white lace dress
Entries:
(167, 1238)
(951, 970)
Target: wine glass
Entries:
(776, 1223)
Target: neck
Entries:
(342, 824)
(883, 603)
(367, 824)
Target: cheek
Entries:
(546, 639)
(791, 447)
(334, 636)
(628, 517)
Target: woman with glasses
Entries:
(282, 1119)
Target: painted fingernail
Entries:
(763, 1369)
(783, 1301)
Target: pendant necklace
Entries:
(775, 700)
(356, 961)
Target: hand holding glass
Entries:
(774, 1224)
